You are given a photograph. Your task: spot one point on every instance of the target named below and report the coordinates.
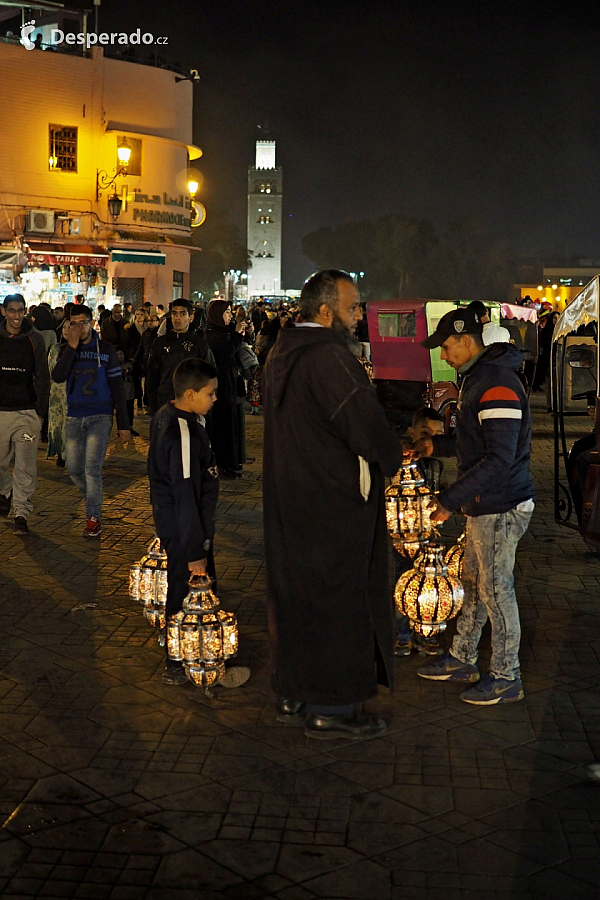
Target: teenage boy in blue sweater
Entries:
(95, 390)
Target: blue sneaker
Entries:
(404, 643)
(447, 668)
(427, 646)
(492, 690)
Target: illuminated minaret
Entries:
(264, 221)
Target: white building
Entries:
(65, 116)
(264, 222)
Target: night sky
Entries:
(436, 110)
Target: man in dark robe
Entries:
(327, 448)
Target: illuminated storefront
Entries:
(95, 196)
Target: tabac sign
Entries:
(159, 215)
(66, 259)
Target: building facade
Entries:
(70, 117)
(265, 181)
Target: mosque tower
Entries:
(264, 221)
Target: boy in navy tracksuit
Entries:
(184, 485)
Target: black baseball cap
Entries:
(459, 321)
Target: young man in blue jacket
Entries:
(92, 372)
(496, 492)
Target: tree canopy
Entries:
(406, 257)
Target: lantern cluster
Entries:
(406, 508)
(428, 594)
(148, 584)
(202, 636)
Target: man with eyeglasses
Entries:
(168, 350)
(24, 393)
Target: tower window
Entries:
(265, 220)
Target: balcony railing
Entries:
(131, 54)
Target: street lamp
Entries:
(104, 180)
(115, 205)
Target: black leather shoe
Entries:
(355, 727)
(290, 712)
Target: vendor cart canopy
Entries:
(582, 310)
(522, 313)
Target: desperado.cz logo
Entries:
(89, 39)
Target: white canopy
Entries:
(582, 310)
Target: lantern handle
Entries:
(200, 582)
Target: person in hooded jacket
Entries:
(495, 490)
(170, 349)
(327, 448)
(226, 425)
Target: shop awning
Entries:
(151, 257)
(39, 254)
(8, 256)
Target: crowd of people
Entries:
(326, 545)
(64, 374)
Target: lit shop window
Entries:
(63, 148)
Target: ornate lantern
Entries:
(429, 596)
(406, 507)
(454, 557)
(202, 635)
(148, 584)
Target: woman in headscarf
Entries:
(226, 425)
(57, 408)
(132, 348)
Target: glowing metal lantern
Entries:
(406, 508)
(454, 557)
(429, 596)
(202, 635)
(148, 584)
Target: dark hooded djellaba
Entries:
(327, 448)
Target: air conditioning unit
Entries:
(39, 221)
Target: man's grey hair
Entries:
(321, 288)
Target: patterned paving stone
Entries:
(115, 785)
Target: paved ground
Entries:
(114, 785)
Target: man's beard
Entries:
(351, 340)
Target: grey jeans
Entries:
(488, 580)
(19, 439)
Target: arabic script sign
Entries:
(161, 216)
